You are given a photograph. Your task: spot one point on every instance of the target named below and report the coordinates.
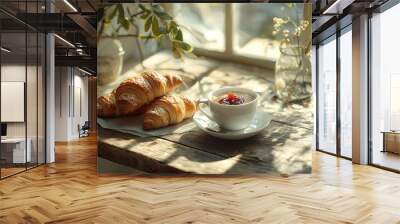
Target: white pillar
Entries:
(50, 93)
(360, 90)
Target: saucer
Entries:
(260, 121)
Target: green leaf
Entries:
(125, 23)
(173, 25)
(184, 46)
(163, 15)
(155, 28)
(148, 23)
(121, 10)
(179, 35)
(113, 14)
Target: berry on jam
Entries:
(231, 99)
(232, 96)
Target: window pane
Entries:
(253, 35)
(204, 24)
(327, 97)
(346, 93)
(314, 90)
(385, 84)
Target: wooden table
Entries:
(284, 147)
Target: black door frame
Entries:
(339, 32)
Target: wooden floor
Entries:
(70, 191)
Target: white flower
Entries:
(285, 32)
(280, 84)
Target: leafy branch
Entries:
(158, 25)
(292, 84)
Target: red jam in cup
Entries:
(231, 99)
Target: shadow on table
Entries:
(279, 149)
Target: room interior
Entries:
(353, 124)
(25, 102)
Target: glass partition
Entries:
(22, 91)
(31, 97)
(327, 96)
(14, 145)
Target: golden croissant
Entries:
(106, 106)
(168, 110)
(140, 90)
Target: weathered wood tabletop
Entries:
(284, 147)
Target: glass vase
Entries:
(293, 76)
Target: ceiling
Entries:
(331, 15)
(72, 20)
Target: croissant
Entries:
(137, 91)
(168, 110)
(106, 106)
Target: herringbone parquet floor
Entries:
(70, 191)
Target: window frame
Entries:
(228, 54)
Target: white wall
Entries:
(79, 117)
(61, 103)
(14, 73)
(70, 83)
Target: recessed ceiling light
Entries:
(337, 7)
(84, 71)
(5, 50)
(70, 5)
(65, 41)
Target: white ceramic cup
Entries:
(231, 117)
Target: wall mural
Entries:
(204, 88)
